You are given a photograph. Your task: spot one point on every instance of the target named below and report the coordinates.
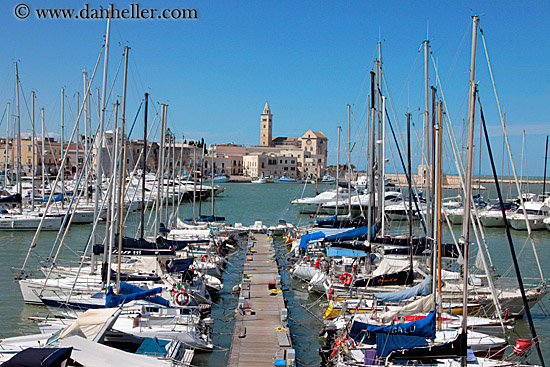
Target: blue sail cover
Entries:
(338, 252)
(310, 237)
(388, 343)
(360, 233)
(329, 219)
(178, 265)
(422, 289)
(129, 292)
(45, 200)
(424, 328)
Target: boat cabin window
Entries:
(530, 211)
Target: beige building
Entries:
(269, 165)
(51, 157)
(228, 159)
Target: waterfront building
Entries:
(270, 165)
(310, 149)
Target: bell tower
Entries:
(266, 121)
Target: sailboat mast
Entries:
(114, 173)
(410, 191)
(427, 175)
(99, 139)
(161, 167)
(62, 146)
(194, 180)
(43, 153)
(182, 168)
(85, 81)
(382, 166)
(7, 144)
(438, 132)
(349, 162)
(468, 182)
(122, 167)
(77, 140)
(33, 97)
(433, 188)
(380, 139)
(372, 164)
(212, 176)
(339, 128)
(18, 127)
(144, 167)
(545, 162)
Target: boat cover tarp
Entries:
(89, 353)
(356, 233)
(153, 347)
(327, 231)
(127, 288)
(353, 245)
(128, 242)
(389, 265)
(129, 292)
(338, 252)
(128, 277)
(90, 323)
(385, 343)
(175, 244)
(16, 198)
(422, 289)
(43, 357)
(426, 354)
(56, 199)
(329, 219)
(421, 305)
(424, 328)
(310, 237)
(178, 265)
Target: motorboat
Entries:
(328, 180)
(312, 205)
(359, 203)
(287, 179)
(535, 213)
(492, 217)
(259, 180)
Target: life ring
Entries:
(346, 278)
(336, 345)
(181, 299)
(204, 258)
(305, 258)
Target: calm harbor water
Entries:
(246, 203)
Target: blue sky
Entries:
(308, 59)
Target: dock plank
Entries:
(262, 340)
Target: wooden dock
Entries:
(261, 336)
